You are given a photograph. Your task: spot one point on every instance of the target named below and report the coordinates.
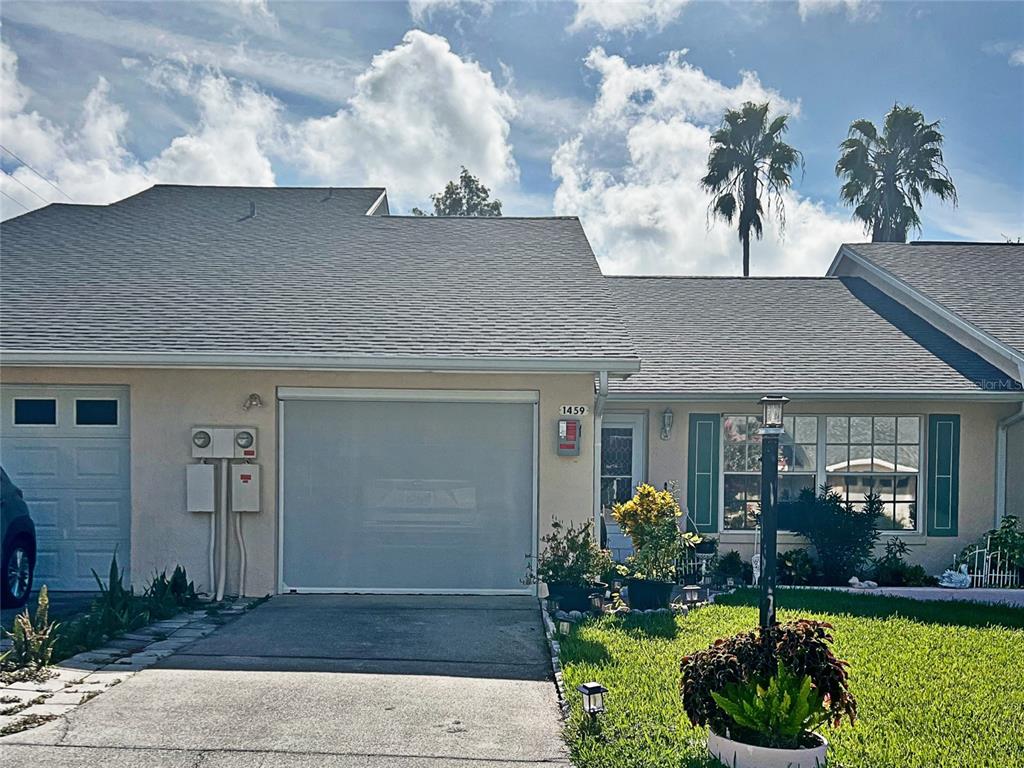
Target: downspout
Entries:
(1002, 459)
(599, 403)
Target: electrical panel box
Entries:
(223, 442)
(569, 433)
(200, 493)
(245, 488)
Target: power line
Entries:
(13, 200)
(18, 181)
(37, 173)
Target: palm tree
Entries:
(887, 175)
(748, 157)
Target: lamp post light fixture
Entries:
(770, 432)
(667, 417)
(593, 698)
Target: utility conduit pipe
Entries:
(222, 550)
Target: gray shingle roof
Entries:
(152, 276)
(787, 335)
(983, 283)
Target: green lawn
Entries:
(937, 684)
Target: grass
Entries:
(937, 684)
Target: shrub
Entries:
(801, 647)
(32, 640)
(115, 607)
(843, 536)
(569, 556)
(891, 570)
(165, 597)
(732, 566)
(650, 519)
(796, 567)
(776, 712)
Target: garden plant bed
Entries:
(936, 683)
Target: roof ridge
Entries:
(720, 277)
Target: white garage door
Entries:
(407, 491)
(67, 449)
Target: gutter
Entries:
(621, 367)
(1013, 395)
(599, 404)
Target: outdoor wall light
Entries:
(667, 417)
(252, 401)
(593, 698)
(772, 406)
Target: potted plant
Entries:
(571, 564)
(764, 694)
(650, 520)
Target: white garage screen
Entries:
(408, 496)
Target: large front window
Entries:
(853, 455)
(741, 461)
(880, 454)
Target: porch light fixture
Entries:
(593, 698)
(252, 401)
(667, 417)
(772, 407)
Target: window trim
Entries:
(117, 413)
(820, 473)
(14, 413)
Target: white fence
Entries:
(989, 567)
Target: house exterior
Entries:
(407, 382)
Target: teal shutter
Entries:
(702, 471)
(943, 492)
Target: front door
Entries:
(623, 449)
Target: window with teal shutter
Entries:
(943, 474)
(702, 471)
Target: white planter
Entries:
(736, 754)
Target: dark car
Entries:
(19, 545)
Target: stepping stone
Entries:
(65, 698)
(19, 693)
(43, 687)
(47, 709)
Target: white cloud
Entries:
(632, 174)
(989, 210)
(1017, 57)
(229, 143)
(419, 112)
(856, 10)
(422, 10)
(625, 15)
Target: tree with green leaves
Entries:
(749, 160)
(887, 174)
(468, 197)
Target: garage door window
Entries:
(35, 411)
(96, 413)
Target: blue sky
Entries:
(596, 110)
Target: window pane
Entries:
(791, 485)
(906, 488)
(786, 458)
(753, 458)
(885, 458)
(858, 487)
(885, 429)
(734, 429)
(806, 429)
(884, 487)
(96, 413)
(836, 458)
(837, 429)
(807, 457)
(37, 411)
(908, 458)
(860, 458)
(616, 451)
(836, 483)
(885, 520)
(909, 430)
(734, 457)
(905, 516)
(860, 429)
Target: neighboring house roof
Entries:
(182, 275)
(755, 336)
(982, 283)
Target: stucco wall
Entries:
(667, 461)
(165, 404)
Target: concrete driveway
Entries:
(329, 680)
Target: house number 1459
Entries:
(573, 410)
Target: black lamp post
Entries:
(770, 432)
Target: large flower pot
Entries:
(571, 597)
(646, 595)
(736, 754)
